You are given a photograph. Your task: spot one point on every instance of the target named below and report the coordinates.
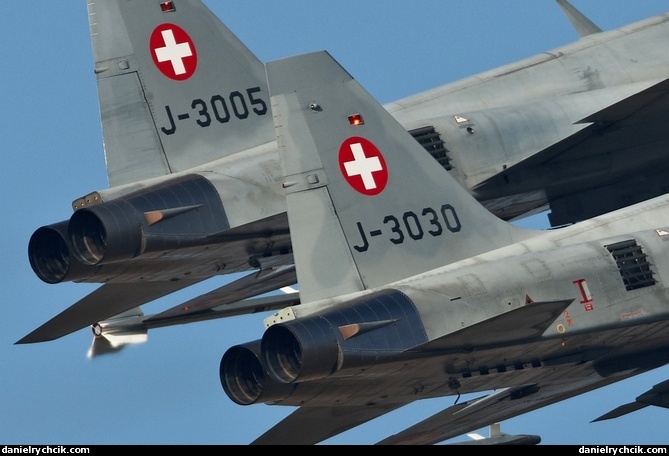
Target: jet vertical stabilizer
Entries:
(387, 218)
(177, 89)
(582, 24)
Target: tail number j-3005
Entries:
(218, 109)
(175, 55)
(410, 225)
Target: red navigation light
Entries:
(355, 120)
(167, 7)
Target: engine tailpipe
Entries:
(105, 233)
(300, 352)
(358, 334)
(50, 255)
(244, 379)
(179, 213)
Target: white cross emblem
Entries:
(363, 166)
(173, 52)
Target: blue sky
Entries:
(167, 390)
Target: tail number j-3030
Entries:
(362, 165)
(411, 225)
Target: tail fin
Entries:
(176, 88)
(366, 204)
(581, 23)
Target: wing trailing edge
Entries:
(107, 301)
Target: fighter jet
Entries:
(196, 187)
(194, 177)
(410, 289)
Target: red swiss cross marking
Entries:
(173, 52)
(363, 166)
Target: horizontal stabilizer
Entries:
(528, 322)
(658, 396)
(131, 327)
(322, 423)
(620, 411)
(107, 301)
(498, 406)
(254, 284)
(459, 418)
(244, 307)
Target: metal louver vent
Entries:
(633, 264)
(431, 141)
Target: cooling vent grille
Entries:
(633, 264)
(430, 139)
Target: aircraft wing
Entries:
(628, 125)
